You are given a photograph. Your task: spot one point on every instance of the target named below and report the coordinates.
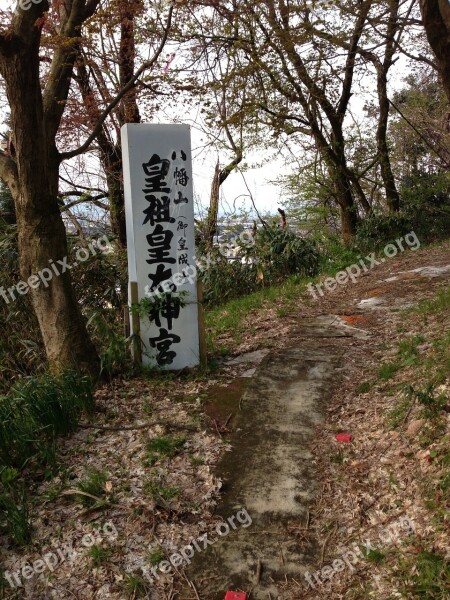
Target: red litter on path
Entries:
(343, 437)
(235, 596)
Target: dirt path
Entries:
(270, 470)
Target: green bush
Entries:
(276, 255)
(15, 518)
(282, 253)
(376, 232)
(226, 279)
(35, 411)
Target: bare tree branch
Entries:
(144, 67)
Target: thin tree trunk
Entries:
(211, 221)
(41, 233)
(220, 175)
(384, 160)
(436, 21)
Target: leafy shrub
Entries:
(35, 411)
(226, 279)
(114, 347)
(282, 253)
(377, 231)
(276, 255)
(15, 518)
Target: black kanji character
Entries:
(159, 242)
(181, 177)
(183, 155)
(182, 226)
(180, 199)
(156, 169)
(161, 275)
(169, 310)
(182, 243)
(158, 211)
(183, 259)
(162, 345)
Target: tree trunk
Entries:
(41, 232)
(220, 175)
(112, 164)
(347, 207)
(211, 221)
(436, 20)
(384, 160)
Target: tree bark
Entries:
(384, 160)
(436, 21)
(220, 175)
(33, 180)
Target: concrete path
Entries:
(269, 470)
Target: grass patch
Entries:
(364, 387)
(156, 557)
(163, 447)
(388, 370)
(38, 409)
(408, 351)
(98, 555)
(439, 303)
(32, 414)
(134, 586)
(398, 414)
(161, 492)
(93, 484)
(230, 318)
(375, 556)
(427, 577)
(432, 403)
(15, 517)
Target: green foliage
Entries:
(100, 282)
(151, 307)
(398, 414)
(98, 555)
(335, 256)
(377, 231)
(375, 556)
(408, 349)
(94, 484)
(114, 348)
(160, 492)
(156, 556)
(38, 409)
(427, 577)
(432, 404)
(135, 586)
(439, 303)
(388, 370)
(226, 279)
(276, 255)
(32, 414)
(282, 253)
(15, 518)
(164, 447)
